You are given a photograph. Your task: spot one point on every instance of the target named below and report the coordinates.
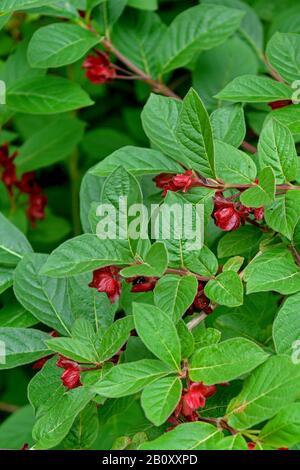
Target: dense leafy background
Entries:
(228, 59)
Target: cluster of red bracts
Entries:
(193, 397)
(169, 182)
(71, 375)
(99, 69)
(201, 302)
(230, 215)
(27, 185)
(108, 280)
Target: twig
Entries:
(8, 408)
(155, 84)
(185, 272)
(249, 147)
(295, 254)
(196, 321)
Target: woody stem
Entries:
(157, 86)
(184, 272)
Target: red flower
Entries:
(227, 219)
(185, 181)
(280, 104)
(251, 445)
(99, 69)
(107, 280)
(194, 398)
(65, 363)
(181, 182)
(27, 183)
(142, 284)
(71, 378)
(36, 209)
(9, 175)
(259, 213)
(201, 302)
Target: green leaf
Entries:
(271, 387)
(263, 193)
(225, 361)
(159, 119)
(198, 28)
(127, 379)
(108, 13)
(114, 338)
(120, 185)
(154, 265)
(13, 5)
(251, 28)
(252, 89)
(137, 161)
(86, 253)
(276, 148)
(284, 429)
(6, 278)
(75, 349)
(163, 342)
(239, 242)
(252, 320)
(46, 298)
(186, 339)
(160, 398)
(21, 346)
(174, 294)
(205, 336)
(84, 430)
(286, 327)
(16, 429)
(59, 44)
(228, 124)
(195, 135)
(143, 4)
(93, 305)
(203, 262)
(232, 165)
(188, 436)
(14, 315)
(234, 264)
(283, 52)
(54, 423)
(284, 214)
(225, 289)
(222, 64)
(13, 243)
(137, 35)
(48, 146)
(236, 442)
(275, 270)
(46, 95)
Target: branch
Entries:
(156, 85)
(249, 147)
(185, 272)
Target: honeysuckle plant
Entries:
(150, 342)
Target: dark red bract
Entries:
(181, 182)
(99, 69)
(142, 284)
(71, 378)
(107, 280)
(227, 219)
(194, 398)
(280, 104)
